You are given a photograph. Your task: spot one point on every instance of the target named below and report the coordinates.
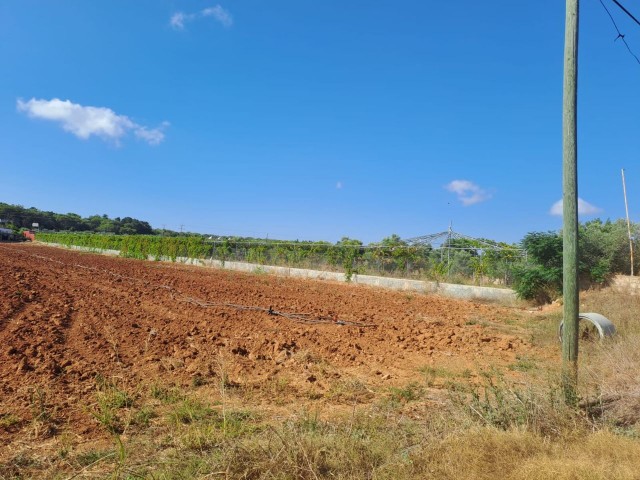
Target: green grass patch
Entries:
(523, 364)
(8, 420)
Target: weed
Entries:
(65, 445)
(92, 457)
(431, 373)
(223, 389)
(211, 430)
(39, 407)
(351, 391)
(165, 395)
(612, 373)
(200, 437)
(110, 336)
(16, 465)
(112, 395)
(198, 380)
(523, 364)
(412, 391)
(278, 386)
(121, 457)
(307, 356)
(110, 398)
(187, 465)
(152, 333)
(309, 421)
(43, 417)
(499, 404)
(189, 410)
(143, 416)
(108, 418)
(239, 422)
(457, 387)
(8, 420)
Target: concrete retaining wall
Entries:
(467, 292)
(101, 251)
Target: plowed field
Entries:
(67, 318)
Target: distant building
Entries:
(7, 235)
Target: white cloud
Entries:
(584, 208)
(178, 19)
(220, 14)
(153, 136)
(85, 121)
(468, 192)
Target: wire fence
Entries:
(455, 259)
(462, 264)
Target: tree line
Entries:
(19, 217)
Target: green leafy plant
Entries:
(412, 391)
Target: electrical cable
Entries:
(621, 35)
(626, 11)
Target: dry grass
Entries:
(508, 432)
(499, 428)
(515, 454)
(621, 308)
(609, 369)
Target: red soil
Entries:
(66, 317)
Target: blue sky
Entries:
(314, 120)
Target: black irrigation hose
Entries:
(306, 318)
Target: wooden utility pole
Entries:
(570, 204)
(626, 209)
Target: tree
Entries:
(603, 250)
(349, 251)
(541, 279)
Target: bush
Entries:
(534, 282)
(603, 251)
(541, 279)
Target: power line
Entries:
(621, 35)
(626, 11)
